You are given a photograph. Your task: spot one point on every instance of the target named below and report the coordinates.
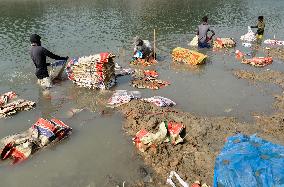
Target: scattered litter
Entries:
(188, 56)
(144, 139)
(258, 61)
(160, 101)
(20, 146)
(249, 36)
(149, 82)
(94, 72)
(9, 106)
(121, 97)
(249, 161)
(194, 41)
(224, 43)
(170, 181)
(273, 42)
(246, 44)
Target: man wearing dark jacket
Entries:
(38, 55)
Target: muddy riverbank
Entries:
(205, 136)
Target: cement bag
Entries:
(188, 56)
(194, 42)
(249, 36)
(249, 161)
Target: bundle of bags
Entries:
(20, 146)
(9, 105)
(224, 43)
(249, 36)
(93, 72)
(188, 56)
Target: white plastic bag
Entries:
(249, 36)
(170, 181)
(194, 41)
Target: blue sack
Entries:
(249, 161)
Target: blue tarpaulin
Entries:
(249, 161)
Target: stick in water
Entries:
(154, 43)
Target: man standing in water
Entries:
(38, 55)
(260, 27)
(203, 29)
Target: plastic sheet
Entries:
(249, 161)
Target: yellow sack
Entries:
(188, 56)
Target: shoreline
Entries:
(205, 136)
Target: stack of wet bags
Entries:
(93, 72)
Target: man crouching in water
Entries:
(38, 55)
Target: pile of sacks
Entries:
(224, 43)
(188, 56)
(9, 105)
(168, 132)
(249, 36)
(148, 79)
(93, 72)
(258, 61)
(20, 146)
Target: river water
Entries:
(98, 151)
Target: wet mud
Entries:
(194, 159)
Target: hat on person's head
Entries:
(35, 39)
(137, 41)
(205, 19)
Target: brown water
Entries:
(98, 148)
